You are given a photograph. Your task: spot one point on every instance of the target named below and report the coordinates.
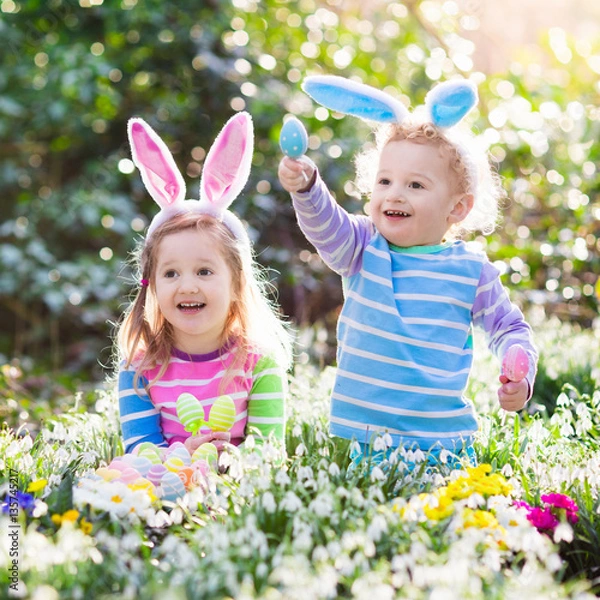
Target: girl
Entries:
(412, 292)
(200, 322)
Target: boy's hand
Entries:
(512, 394)
(296, 175)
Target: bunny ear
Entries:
(227, 164)
(353, 98)
(157, 167)
(450, 101)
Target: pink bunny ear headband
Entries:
(225, 172)
(446, 104)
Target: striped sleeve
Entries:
(140, 420)
(339, 237)
(266, 402)
(502, 321)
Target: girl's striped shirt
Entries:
(147, 410)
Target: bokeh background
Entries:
(73, 71)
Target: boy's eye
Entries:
(416, 185)
(384, 181)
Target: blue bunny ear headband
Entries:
(447, 103)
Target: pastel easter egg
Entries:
(128, 459)
(175, 446)
(190, 412)
(515, 364)
(207, 452)
(108, 474)
(173, 464)
(293, 139)
(152, 455)
(142, 465)
(129, 475)
(172, 487)
(117, 463)
(141, 483)
(183, 454)
(156, 473)
(146, 446)
(222, 414)
(186, 474)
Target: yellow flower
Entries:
(70, 515)
(36, 486)
(482, 519)
(86, 527)
(116, 499)
(444, 508)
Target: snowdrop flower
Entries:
(282, 478)
(268, 502)
(322, 506)
(334, 469)
(563, 533)
(377, 474)
(300, 449)
(290, 502)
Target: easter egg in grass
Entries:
(156, 473)
(293, 139)
(152, 455)
(129, 475)
(174, 463)
(207, 452)
(182, 453)
(172, 486)
(190, 412)
(222, 414)
(515, 364)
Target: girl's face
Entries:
(194, 290)
(415, 199)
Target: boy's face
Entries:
(415, 199)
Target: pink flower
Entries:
(561, 501)
(542, 518)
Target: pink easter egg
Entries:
(155, 473)
(515, 365)
(118, 464)
(129, 475)
(175, 446)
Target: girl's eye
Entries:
(171, 273)
(384, 181)
(204, 272)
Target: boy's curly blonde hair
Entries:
(470, 164)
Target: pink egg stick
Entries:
(515, 364)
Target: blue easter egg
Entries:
(172, 486)
(293, 139)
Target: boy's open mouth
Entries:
(188, 307)
(395, 213)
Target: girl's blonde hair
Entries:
(145, 338)
(470, 164)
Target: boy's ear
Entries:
(461, 209)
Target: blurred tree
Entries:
(72, 73)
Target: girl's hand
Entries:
(296, 175)
(218, 438)
(512, 394)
